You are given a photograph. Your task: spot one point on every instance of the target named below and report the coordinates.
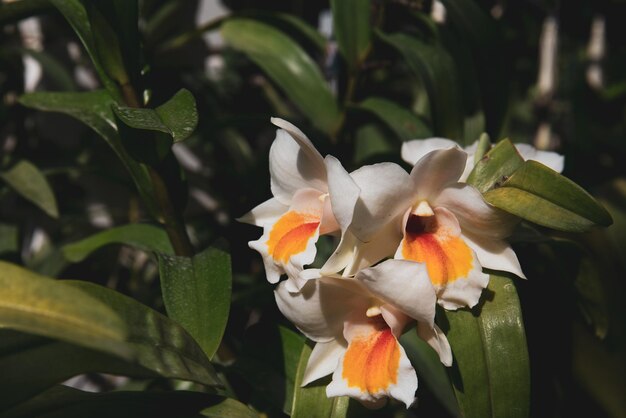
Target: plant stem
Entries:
(171, 219)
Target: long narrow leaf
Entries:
(491, 374)
(288, 66)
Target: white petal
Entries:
(413, 151)
(403, 284)
(436, 170)
(306, 207)
(548, 158)
(380, 246)
(395, 318)
(294, 165)
(342, 255)
(435, 337)
(494, 254)
(319, 310)
(360, 384)
(464, 291)
(266, 213)
(473, 213)
(344, 192)
(386, 192)
(324, 360)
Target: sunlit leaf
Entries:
(402, 121)
(177, 117)
(94, 110)
(311, 401)
(543, 196)
(495, 167)
(288, 66)
(38, 305)
(31, 184)
(490, 373)
(351, 24)
(110, 332)
(62, 401)
(142, 236)
(432, 64)
(196, 292)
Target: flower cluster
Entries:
(407, 242)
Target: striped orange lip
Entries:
(290, 234)
(447, 257)
(371, 362)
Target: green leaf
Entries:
(196, 292)
(229, 408)
(430, 371)
(62, 401)
(142, 236)
(543, 196)
(100, 331)
(116, 40)
(478, 35)
(9, 238)
(75, 13)
(402, 121)
(434, 66)
(491, 371)
(372, 141)
(269, 362)
(483, 146)
(178, 117)
(94, 110)
(311, 401)
(31, 364)
(351, 24)
(496, 166)
(288, 66)
(159, 343)
(311, 33)
(39, 305)
(31, 184)
(52, 67)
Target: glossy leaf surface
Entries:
(177, 117)
(196, 292)
(351, 24)
(288, 66)
(491, 371)
(543, 196)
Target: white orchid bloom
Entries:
(300, 210)
(426, 216)
(356, 323)
(413, 151)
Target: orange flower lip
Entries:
(371, 362)
(447, 257)
(290, 234)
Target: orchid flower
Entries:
(356, 323)
(300, 210)
(413, 151)
(426, 216)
